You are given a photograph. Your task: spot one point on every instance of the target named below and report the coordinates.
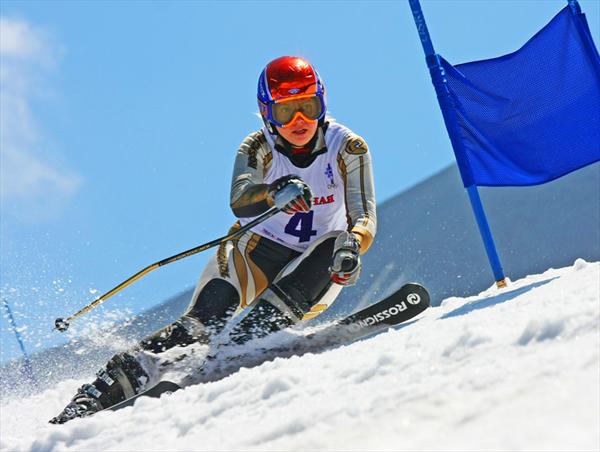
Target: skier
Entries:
(292, 266)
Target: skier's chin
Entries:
(299, 135)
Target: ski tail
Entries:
(163, 387)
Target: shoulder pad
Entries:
(356, 145)
(254, 141)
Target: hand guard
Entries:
(346, 260)
(291, 194)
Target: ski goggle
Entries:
(282, 113)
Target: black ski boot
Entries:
(181, 333)
(123, 378)
(84, 403)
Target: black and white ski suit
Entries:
(276, 274)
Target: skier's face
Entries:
(300, 131)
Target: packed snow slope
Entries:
(510, 369)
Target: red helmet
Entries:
(289, 85)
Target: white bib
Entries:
(328, 212)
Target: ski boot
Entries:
(185, 331)
(123, 378)
(84, 403)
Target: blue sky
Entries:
(120, 122)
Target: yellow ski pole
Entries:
(63, 324)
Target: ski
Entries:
(401, 306)
(404, 304)
(163, 387)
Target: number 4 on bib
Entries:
(300, 225)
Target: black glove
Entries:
(291, 194)
(346, 266)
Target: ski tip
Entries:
(418, 294)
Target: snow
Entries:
(510, 369)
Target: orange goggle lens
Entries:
(310, 107)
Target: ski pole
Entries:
(63, 324)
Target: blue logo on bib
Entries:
(329, 174)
